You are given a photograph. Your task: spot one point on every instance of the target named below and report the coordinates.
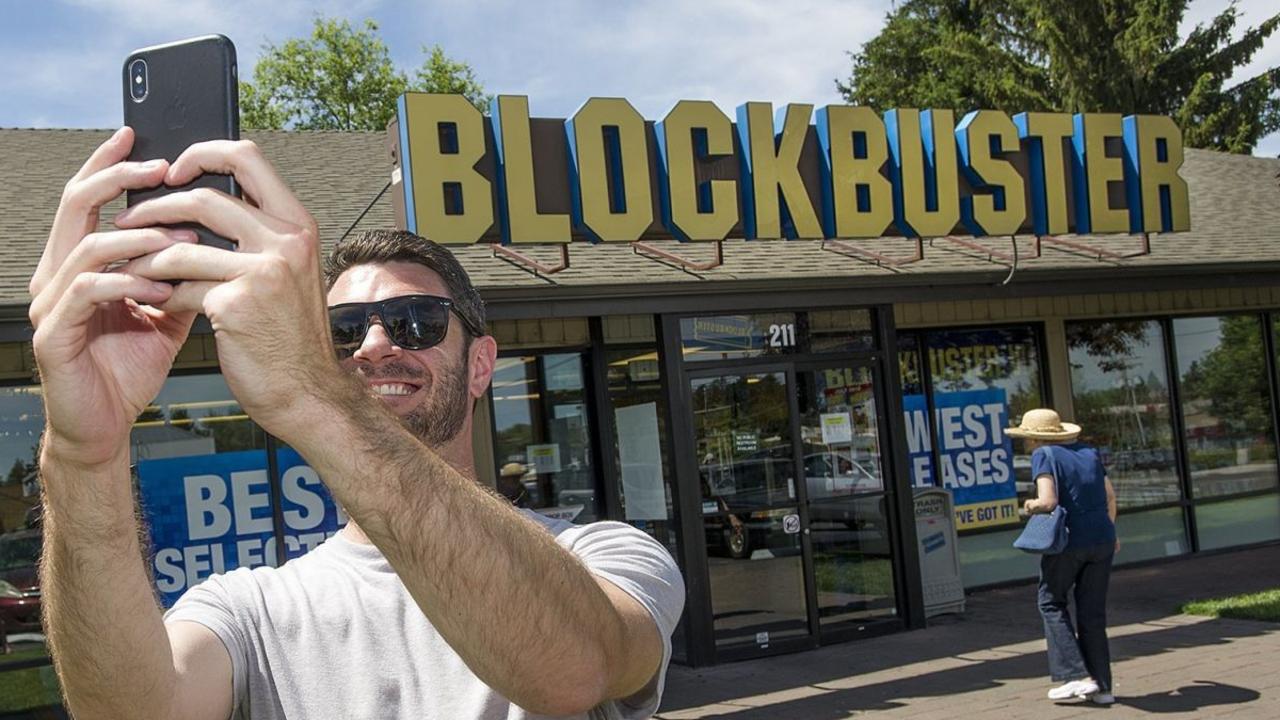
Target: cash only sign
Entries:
(607, 174)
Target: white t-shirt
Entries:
(335, 634)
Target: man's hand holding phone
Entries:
(103, 347)
(265, 301)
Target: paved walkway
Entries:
(990, 661)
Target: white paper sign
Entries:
(544, 458)
(568, 411)
(641, 457)
(837, 428)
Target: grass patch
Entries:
(1256, 606)
(27, 689)
(857, 575)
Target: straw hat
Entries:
(512, 469)
(1044, 424)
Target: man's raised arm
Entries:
(103, 357)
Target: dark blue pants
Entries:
(1080, 650)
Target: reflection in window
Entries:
(743, 432)
(840, 331)
(1226, 404)
(838, 429)
(1120, 390)
(542, 438)
(193, 415)
(21, 638)
(21, 424)
(726, 337)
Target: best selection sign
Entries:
(210, 514)
(606, 174)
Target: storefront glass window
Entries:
(201, 471)
(840, 331)
(639, 423)
(542, 435)
(1120, 389)
(201, 468)
(982, 380)
(729, 337)
(21, 423)
(1226, 404)
(641, 450)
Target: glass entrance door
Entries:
(743, 437)
(795, 503)
(846, 501)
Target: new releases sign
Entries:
(975, 454)
(212, 513)
(606, 174)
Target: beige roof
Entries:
(1235, 217)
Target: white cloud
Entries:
(558, 52)
(561, 53)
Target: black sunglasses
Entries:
(413, 322)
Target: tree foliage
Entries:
(343, 78)
(1080, 56)
(1232, 377)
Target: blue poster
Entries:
(975, 454)
(208, 514)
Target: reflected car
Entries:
(741, 535)
(836, 474)
(19, 581)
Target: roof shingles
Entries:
(1235, 216)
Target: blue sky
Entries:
(62, 57)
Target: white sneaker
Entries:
(1103, 698)
(1074, 689)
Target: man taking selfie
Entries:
(438, 600)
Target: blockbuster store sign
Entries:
(608, 175)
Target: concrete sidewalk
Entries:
(990, 662)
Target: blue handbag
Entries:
(1046, 534)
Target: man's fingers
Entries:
(228, 216)
(188, 262)
(187, 297)
(87, 290)
(252, 171)
(83, 196)
(86, 195)
(99, 250)
(110, 152)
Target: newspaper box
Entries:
(939, 554)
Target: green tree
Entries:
(1233, 378)
(1080, 56)
(342, 78)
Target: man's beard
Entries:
(440, 418)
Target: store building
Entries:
(767, 419)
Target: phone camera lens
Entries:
(138, 80)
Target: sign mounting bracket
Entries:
(533, 265)
(644, 249)
(848, 249)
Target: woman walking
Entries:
(1071, 474)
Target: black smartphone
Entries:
(176, 95)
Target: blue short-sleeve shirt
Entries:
(1082, 491)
